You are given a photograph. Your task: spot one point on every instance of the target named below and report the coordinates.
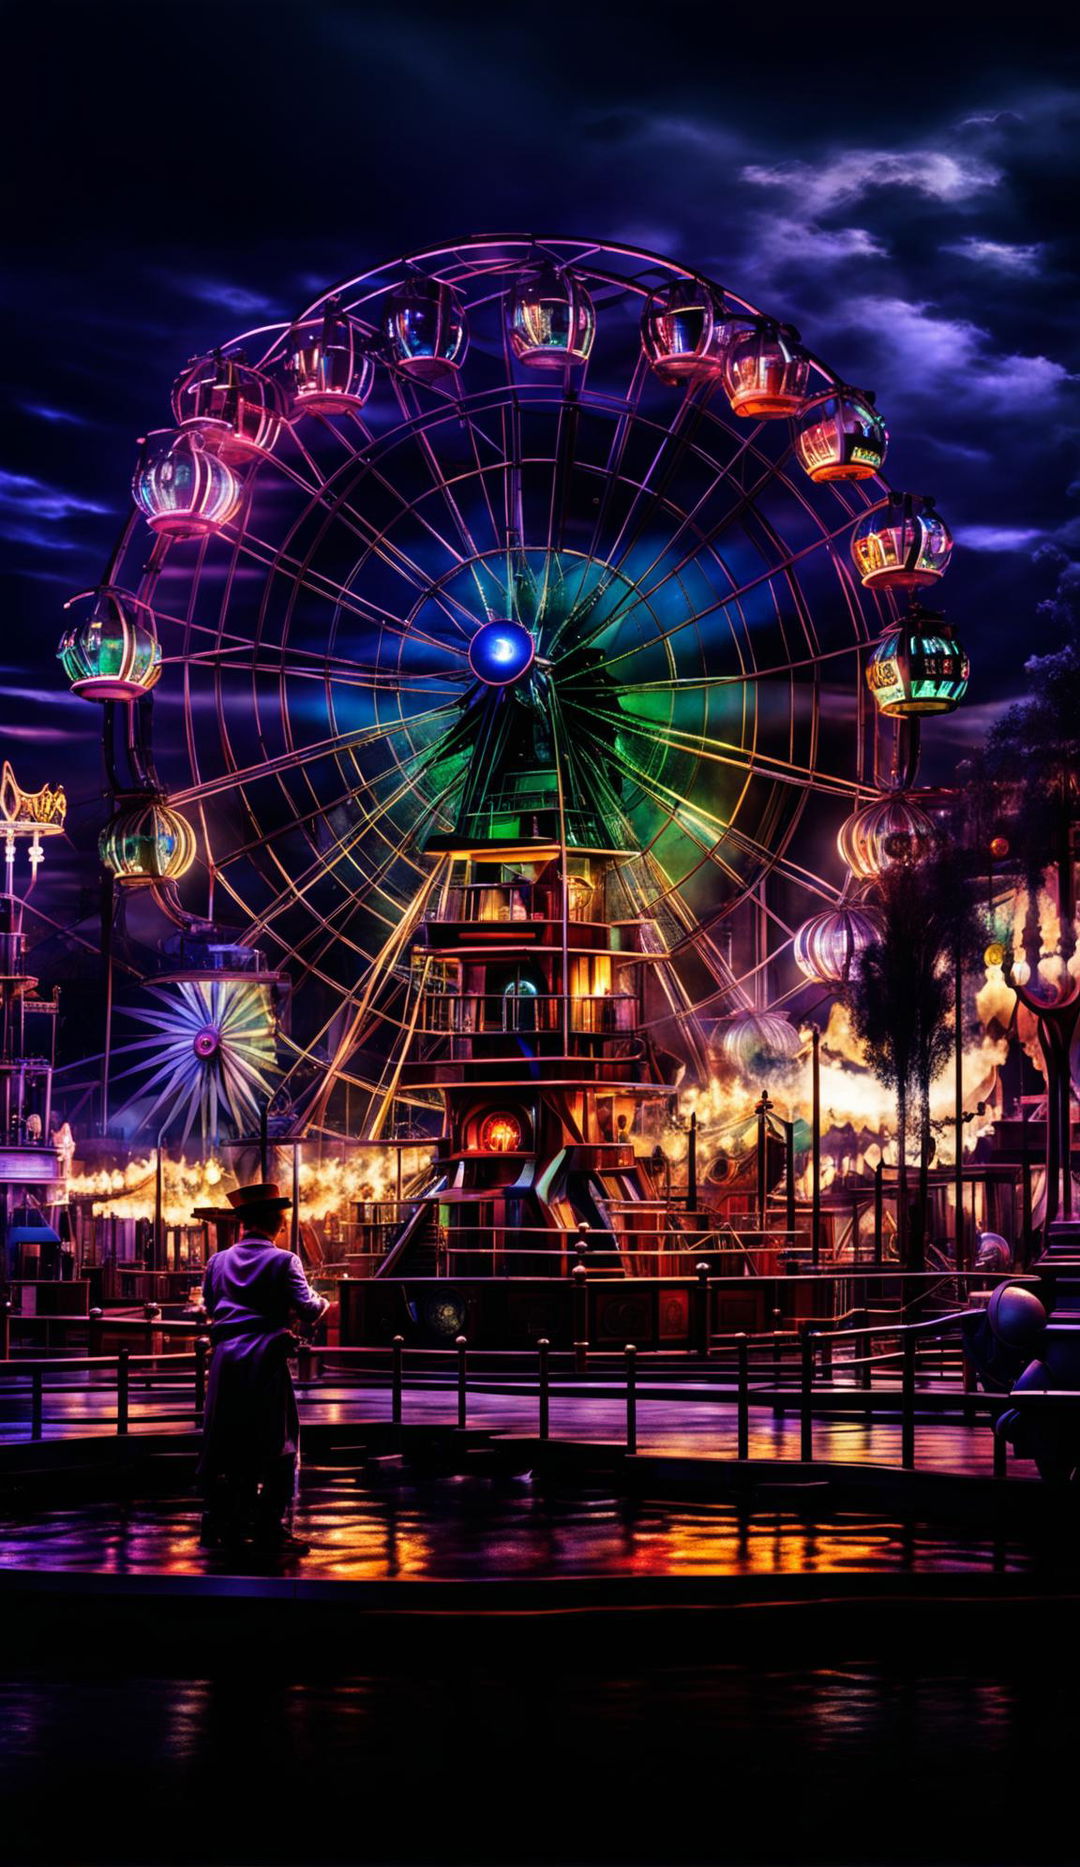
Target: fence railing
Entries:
(887, 1371)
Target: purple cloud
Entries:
(997, 253)
(997, 537)
(848, 176)
(27, 499)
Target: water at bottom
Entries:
(465, 1748)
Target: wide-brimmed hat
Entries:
(260, 1197)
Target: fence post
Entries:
(742, 1349)
(866, 1372)
(806, 1421)
(201, 1346)
(701, 1305)
(581, 1317)
(93, 1336)
(305, 1362)
(5, 1330)
(879, 1213)
(778, 1411)
(151, 1312)
(462, 1345)
(123, 1386)
(631, 1397)
(1001, 1454)
(397, 1346)
(907, 1426)
(544, 1349)
(37, 1403)
(968, 1379)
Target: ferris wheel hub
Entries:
(501, 652)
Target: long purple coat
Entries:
(251, 1292)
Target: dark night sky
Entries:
(897, 182)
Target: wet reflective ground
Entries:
(466, 1754)
(391, 1527)
(930, 1732)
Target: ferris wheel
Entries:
(570, 467)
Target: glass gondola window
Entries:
(766, 371)
(243, 405)
(425, 329)
(901, 544)
(918, 667)
(841, 436)
(551, 319)
(684, 330)
(183, 487)
(114, 653)
(329, 364)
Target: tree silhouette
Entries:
(902, 998)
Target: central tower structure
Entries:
(533, 970)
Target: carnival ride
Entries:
(485, 656)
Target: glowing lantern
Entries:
(918, 667)
(765, 370)
(550, 319)
(685, 329)
(759, 1043)
(901, 544)
(113, 654)
(330, 365)
(841, 436)
(887, 831)
(240, 405)
(828, 946)
(184, 489)
(500, 1134)
(425, 329)
(147, 841)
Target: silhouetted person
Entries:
(252, 1291)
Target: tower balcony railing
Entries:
(603, 1014)
(515, 901)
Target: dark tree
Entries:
(902, 999)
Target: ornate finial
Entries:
(26, 813)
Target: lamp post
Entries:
(762, 1111)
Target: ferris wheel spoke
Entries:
(611, 474)
(746, 450)
(339, 503)
(727, 601)
(320, 585)
(786, 563)
(266, 836)
(297, 887)
(721, 752)
(303, 755)
(494, 467)
(357, 904)
(686, 813)
(328, 669)
(398, 940)
(439, 484)
(689, 682)
(635, 591)
(781, 569)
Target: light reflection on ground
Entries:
(480, 1527)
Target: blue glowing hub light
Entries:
(501, 652)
